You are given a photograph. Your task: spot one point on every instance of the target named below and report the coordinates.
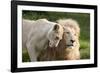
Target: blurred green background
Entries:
(82, 18)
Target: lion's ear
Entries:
(56, 27)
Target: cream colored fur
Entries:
(72, 31)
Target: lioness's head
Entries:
(55, 35)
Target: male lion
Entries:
(72, 31)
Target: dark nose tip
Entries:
(72, 41)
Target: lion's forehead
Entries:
(70, 30)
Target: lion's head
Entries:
(72, 31)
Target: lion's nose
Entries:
(72, 41)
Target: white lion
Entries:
(72, 31)
(37, 34)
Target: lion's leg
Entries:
(31, 52)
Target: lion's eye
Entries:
(67, 32)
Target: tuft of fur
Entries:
(70, 23)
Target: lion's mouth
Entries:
(70, 45)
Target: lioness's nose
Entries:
(72, 41)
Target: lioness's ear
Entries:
(56, 27)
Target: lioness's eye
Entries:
(75, 34)
(57, 38)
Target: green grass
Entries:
(25, 56)
(84, 49)
(82, 18)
